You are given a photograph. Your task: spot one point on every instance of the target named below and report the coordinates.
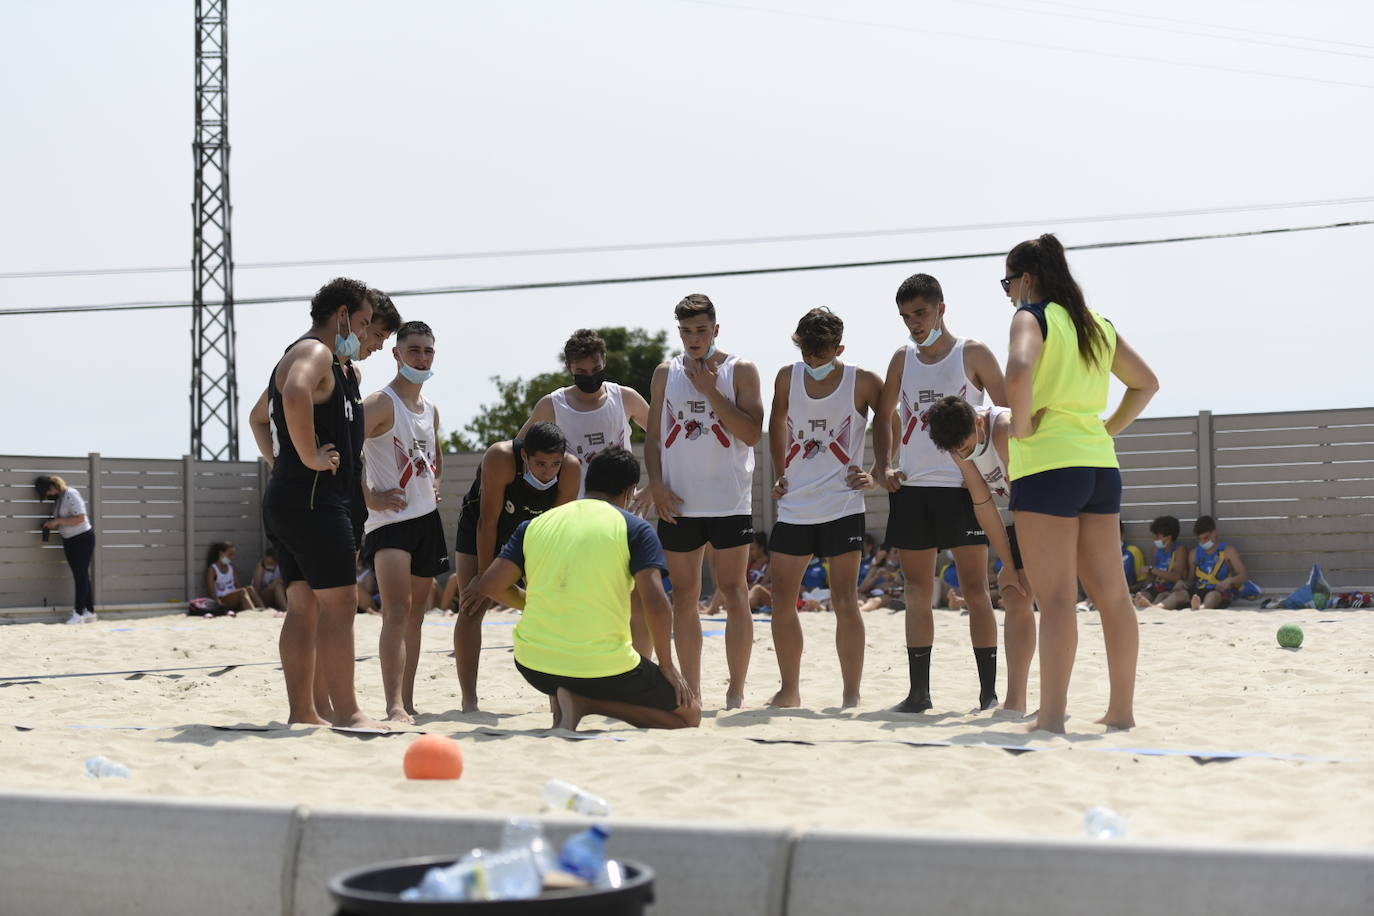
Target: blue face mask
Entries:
(418, 376)
(820, 372)
(1207, 545)
(934, 335)
(347, 347)
(537, 483)
(711, 352)
(1159, 544)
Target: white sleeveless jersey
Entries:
(923, 385)
(225, 581)
(702, 462)
(590, 431)
(825, 436)
(989, 463)
(404, 458)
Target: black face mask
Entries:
(589, 383)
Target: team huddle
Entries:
(554, 523)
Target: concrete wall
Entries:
(80, 854)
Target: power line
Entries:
(1206, 25)
(658, 278)
(1162, 28)
(1022, 43)
(711, 243)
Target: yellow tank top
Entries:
(1073, 395)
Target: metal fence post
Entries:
(188, 508)
(95, 514)
(1206, 465)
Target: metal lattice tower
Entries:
(214, 387)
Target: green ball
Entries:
(1290, 636)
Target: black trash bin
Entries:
(375, 890)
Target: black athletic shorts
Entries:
(1015, 549)
(1068, 492)
(931, 518)
(642, 685)
(722, 531)
(823, 539)
(421, 537)
(312, 544)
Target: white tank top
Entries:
(923, 385)
(702, 462)
(403, 458)
(224, 580)
(988, 462)
(590, 431)
(825, 436)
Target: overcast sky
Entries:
(414, 128)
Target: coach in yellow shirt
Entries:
(581, 561)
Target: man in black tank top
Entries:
(518, 480)
(312, 438)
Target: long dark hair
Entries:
(1043, 258)
(216, 548)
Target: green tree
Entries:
(632, 354)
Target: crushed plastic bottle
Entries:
(1102, 823)
(564, 796)
(584, 855)
(506, 874)
(101, 767)
(523, 833)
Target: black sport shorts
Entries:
(421, 537)
(931, 518)
(722, 531)
(642, 685)
(312, 544)
(1067, 492)
(823, 539)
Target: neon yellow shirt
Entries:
(579, 561)
(1073, 395)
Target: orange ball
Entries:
(433, 757)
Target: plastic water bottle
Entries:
(101, 767)
(481, 875)
(523, 833)
(584, 855)
(1102, 823)
(564, 796)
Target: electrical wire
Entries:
(709, 243)
(658, 278)
(1026, 43)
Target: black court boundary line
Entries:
(226, 668)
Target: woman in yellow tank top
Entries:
(1066, 482)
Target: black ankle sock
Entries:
(987, 676)
(918, 668)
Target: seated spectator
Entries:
(883, 586)
(1167, 585)
(267, 582)
(222, 582)
(1218, 571)
(759, 578)
(369, 596)
(1133, 564)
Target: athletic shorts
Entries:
(312, 544)
(1015, 549)
(421, 537)
(1068, 492)
(722, 531)
(931, 518)
(823, 539)
(642, 685)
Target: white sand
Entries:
(1210, 681)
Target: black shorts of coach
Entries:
(932, 518)
(421, 537)
(834, 538)
(642, 685)
(721, 532)
(312, 544)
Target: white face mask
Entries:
(1159, 545)
(934, 335)
(1207, 545)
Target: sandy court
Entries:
(1211, 681)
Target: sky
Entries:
(363, 130)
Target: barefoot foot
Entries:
(470, 705)
(1116, 721)
(734, 701)
(849, 701)
(786, 699)
(400, 715)
(573, 709)
(308, 718)
(360, 720)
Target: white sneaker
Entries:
(88, 617)
(75, 618)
